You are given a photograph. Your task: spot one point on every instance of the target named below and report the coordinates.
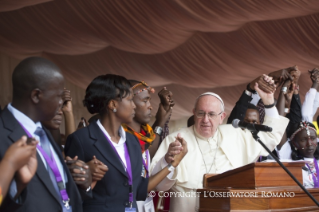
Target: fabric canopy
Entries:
(188, 46)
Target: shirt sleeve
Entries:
(272, 112)
(308, 105)
(169, 180)
(285, 151)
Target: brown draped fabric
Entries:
(189, 46)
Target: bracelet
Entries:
(284, 89)
(170, 167)
(287, 110)
(249, 89)
(270, 106)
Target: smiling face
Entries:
(213, 116)
(306, 144)
(143, 108)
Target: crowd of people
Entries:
(113, 161)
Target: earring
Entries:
(114, 110)
(296, 148)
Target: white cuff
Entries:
(272, 112)
(163, 165)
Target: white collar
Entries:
(121, 133)
(27, 123)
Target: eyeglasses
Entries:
(211, 115)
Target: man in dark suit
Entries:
(37, 89)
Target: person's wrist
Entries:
(160, 122)
(269, 103)
(315, 85)
(166, 158)
(10, 164)
(250, 88)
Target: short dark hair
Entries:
(251, 106)
(103, 89)
(31, 73)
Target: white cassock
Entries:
(228, 149)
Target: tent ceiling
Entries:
(189, 46)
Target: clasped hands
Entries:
(176, 151)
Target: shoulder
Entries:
(86, 131)
(184, 132)
(227, 127)
(227, 130)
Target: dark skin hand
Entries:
(98, 170)
(19, 159)
(265, 84)
(314, 76)
(174, 148)
(165, 110)
(80, 172)
(282, 75)
(158, 177)
(166, 97)
(66, 98)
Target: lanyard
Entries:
(52, 164)
(128, 168)
(144, 164)
(315, 179)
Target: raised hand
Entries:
(174, 149)
(267, 97)
(80, 172)
(23, 158)
(265, 83)
(162, 115)
(98, 170)
(166, 97)
(67, 101)
(19, 153)
(314, 75)
(282, 75)
(178, 158)
(295, 74)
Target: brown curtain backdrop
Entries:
(188, 46)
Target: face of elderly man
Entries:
(208, 115)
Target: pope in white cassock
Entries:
(214, 148)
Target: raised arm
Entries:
(163, 114)
(67, 110)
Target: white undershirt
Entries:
(118, 146)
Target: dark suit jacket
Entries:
(39, 195)
(239, 111)
(112, 192)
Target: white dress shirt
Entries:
(118, 146)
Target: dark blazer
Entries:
(112, 192)
(39, 195)
(239, 111)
